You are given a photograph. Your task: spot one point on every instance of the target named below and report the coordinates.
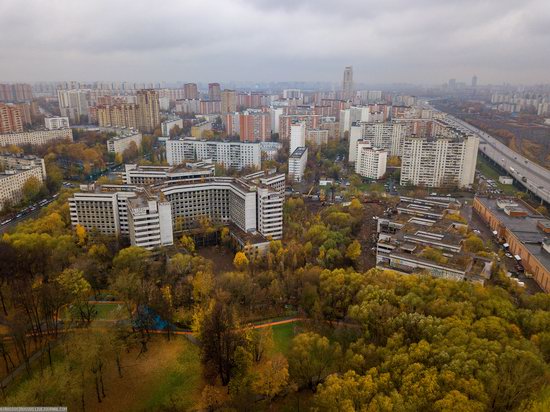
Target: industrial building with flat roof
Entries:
(420, 237)
(525, 231)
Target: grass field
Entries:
(178, 388)
(283, 334)
(492, 173)
(166, 377)
(105, 311)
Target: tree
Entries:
(54, 177)
(473, 244)
(433, 254)
(311, 359)
(271, 377)
(219, 336)
(81, 234)
(31, 189)
(240, 261)
(72, 281)
(134, 259)
(187, 243)
(353, 251)
(261, 343)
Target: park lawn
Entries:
(283, 334)
(110, 311)
(167, 376)
(371, 187)
(105, 311)
(178, 388)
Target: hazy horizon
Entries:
(425, 43)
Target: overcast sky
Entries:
(386, 41)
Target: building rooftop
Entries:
(298, 153)
(526, 228)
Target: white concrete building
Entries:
(371, 161)
(252, 206)
(123, 141)
(164, 103)
(17, 169)
(150, 175)
(355, 135)
(297, 136)
(150, 222)
(297, 164)
(235, 155)
(73, 104)
(103, 208)
(35, 138)
(439, 161)
(168, 125)
(276, 113)
(270, 150)
(385, 135)
(58, 122)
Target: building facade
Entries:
(235, 155)
(53, 123)
(149, 110)
(123, 141)
(214, 91)
(371, 161)
(297, 164)
(17, 169)
(439, 161)
(35, 138)
(73, 104)
(228, 101)
(11, 119)
(251, 206)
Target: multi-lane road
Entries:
(535, 178)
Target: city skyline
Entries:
(259, 41)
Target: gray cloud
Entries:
(423, 41)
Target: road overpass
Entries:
(535, 178)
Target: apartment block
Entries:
(254, 126)
(53, 123)
(73, 104)
(11, 119)
(168, 125)
(35, 138)
(439, 161)
(371, 161)
(317, 137)
(297, 136)
(235, 155)
(297, 164)
(286, 121)
(123, 140)
(198, 128)
(17, 169)
(214, 91)
(17, 92)
(228, 101)
(119, 115)
(191, 90)
(149, 110)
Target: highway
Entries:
(535, 178)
